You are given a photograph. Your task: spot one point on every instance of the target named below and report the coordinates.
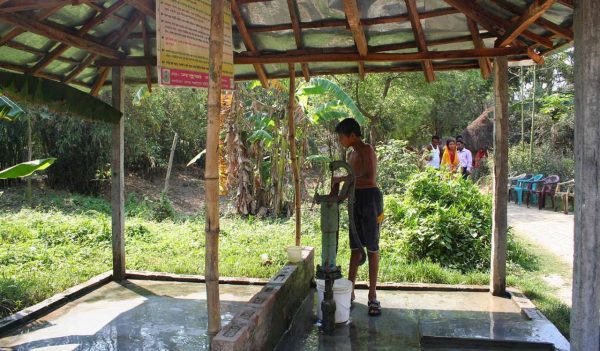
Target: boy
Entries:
(465, 158)
(368, 206)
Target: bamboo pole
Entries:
(522, 110)
(292, 140)
(170, 166)
(532, 117)
(211, 172)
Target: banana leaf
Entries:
(26, 168)
(59, 97)
(320, 86)
(8, 109)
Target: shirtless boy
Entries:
(368, 206)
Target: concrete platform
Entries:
(407, 316)
(135, 315)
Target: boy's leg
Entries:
(373, 271)
(355, 257)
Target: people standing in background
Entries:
(434, 152)
(465, 158)
(450, 158)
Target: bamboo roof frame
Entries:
(522, 32)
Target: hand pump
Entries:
(330, 222)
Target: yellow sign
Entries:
(182, 37)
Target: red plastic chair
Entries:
(546, 186)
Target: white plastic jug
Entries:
(342, 290)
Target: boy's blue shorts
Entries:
(368, 215)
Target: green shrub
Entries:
(544, 160)
(163, 209)
(442, 219)
(395, 165)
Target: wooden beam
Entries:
(360, 40)
(478, 43)
(343, 23)
(60, 49)
(534, 11)
(411, 7)
(99, 8)
(147, 7)
(99, 82)
(499, 208)
(54, 33)
(12, 6)
(251, 58)
(297, 34)
(248, 42)
(493, 23)
(115, 39)
(585, 311)
(354, 70)
(147, 53)
(211, 172)
(18, 31)
(542, 22)
(410, 45)
(38, 52)
(567, 3)
(117, 188)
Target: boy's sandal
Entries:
(374, 308)
(363, 257)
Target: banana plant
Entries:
(26, 168)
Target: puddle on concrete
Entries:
(409, 315)
(137, 315)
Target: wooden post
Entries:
(292, 142)
(117, 188)
(211, 173)
(585, 316)
(499, 220)
(171, 156)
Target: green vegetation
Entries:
(65, 240)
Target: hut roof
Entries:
(76, 41)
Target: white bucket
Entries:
(342, 290)
(294, 253)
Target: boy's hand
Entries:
(337, 180)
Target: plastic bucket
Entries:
(342, 290)
(294, 253)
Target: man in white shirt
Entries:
(434, 152)
(465, 157)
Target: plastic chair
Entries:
(524, 185)
(546, 186)
(565, 191)
(512, 182)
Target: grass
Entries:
(66, 240)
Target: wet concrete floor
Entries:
(135, 315)
(409, 315)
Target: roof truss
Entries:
(513, 36)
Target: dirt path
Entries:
(552, 232)
(186, 188)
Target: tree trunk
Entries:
(29, 155)
(292, 139)
(499, 219)
(171, 156)
(211, 173)
(118, 176)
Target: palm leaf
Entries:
(57, 96)
(26, 168)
